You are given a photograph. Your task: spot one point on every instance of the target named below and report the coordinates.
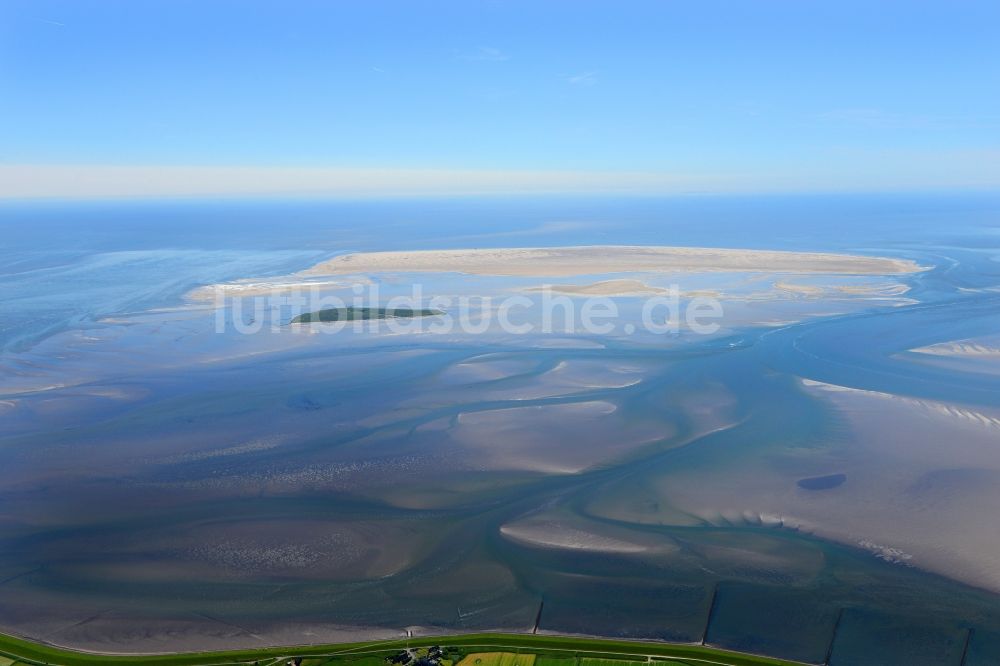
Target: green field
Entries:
(497, 659)
(543, 650)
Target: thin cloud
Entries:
(584, 79)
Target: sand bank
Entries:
(927, 407)
(556, 534)
(799, 289)
(618, 288)
(584, 260)
(967, 348)
(251, 287)
(603, 288)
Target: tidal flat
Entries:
(800, 482)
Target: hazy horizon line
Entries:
(96, 181)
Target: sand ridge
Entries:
(585, 260)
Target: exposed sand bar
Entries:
(970, 348)
(554, 534)
(240, 288)
(585, 260)
(603, 288)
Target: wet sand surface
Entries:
(798, 482)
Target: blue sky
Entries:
(688, 95)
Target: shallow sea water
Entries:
(165, 486)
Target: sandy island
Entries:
(587, 260)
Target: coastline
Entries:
(31, 651)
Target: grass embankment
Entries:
(548, 651)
